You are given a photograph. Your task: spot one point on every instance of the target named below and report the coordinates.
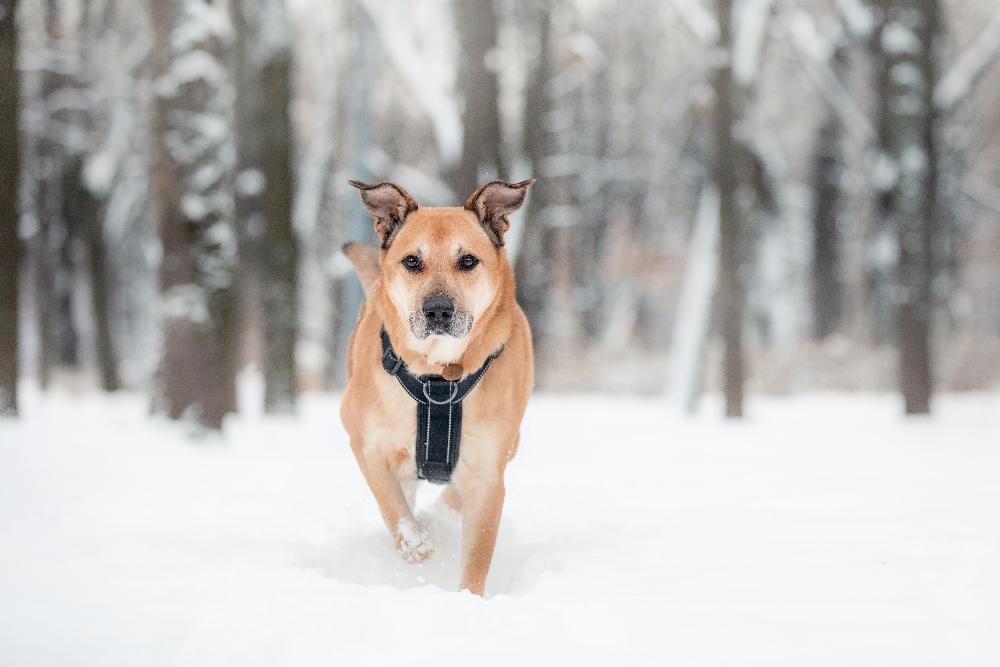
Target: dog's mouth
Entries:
(456, 326)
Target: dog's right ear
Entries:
(389, 205)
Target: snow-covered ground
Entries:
(822, 531)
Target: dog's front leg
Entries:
(482, 503)
(412, 541)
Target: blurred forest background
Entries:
(760, 195)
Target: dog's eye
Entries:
(467, 262)
(412, 263)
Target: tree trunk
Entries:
(534, 259)
(826, 210)
(731, 289)
(193, 168)
(909, 38)
(100, 293)
(10, 173)
(880, 265)
(86, 208)
(355, 121)
(477, 80)
(54, 265)
(265, 187)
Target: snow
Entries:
(99, 172)
(250, 182)
(698, 19)
(193, 66)
(438, 102)
(271, 35)
(824, 530)
(972, 64)
(200, 22)
(885, 172)
(751, 27)
(185, 302)
(803, 34)
(899, 39)
(694, 309)
(857, 16)
(199, 135)
(194, 207)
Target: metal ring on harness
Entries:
(454, 393)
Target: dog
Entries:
(439, 311)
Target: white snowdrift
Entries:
(823, 531)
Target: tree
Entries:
(826, 209)
(731, 293)
(264, 187)
(58, 142)
(908, 40)
(477, 81)
(193, 169)
(533, 261)
(84, 204)
(10, 173)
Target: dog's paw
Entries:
(413, 542)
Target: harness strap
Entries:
(439, 412)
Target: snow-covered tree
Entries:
(85, 200)
(827, 211)
(482, 143)
(909, 43)
(264, 188)
(58, 143)
(193, 174)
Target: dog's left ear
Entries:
(493, 202)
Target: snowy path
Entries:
(822, 532)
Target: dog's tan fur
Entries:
(378, 414)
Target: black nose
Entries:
(438, 309)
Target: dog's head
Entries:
(442, 267)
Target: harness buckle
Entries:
(427, 395)
(396, 366)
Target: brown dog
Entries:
(443, 291)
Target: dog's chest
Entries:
(393, 424)
(392, 429)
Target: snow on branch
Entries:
(698, 20)
(437, 102)
(816, 61)
(426, 187)
(201, 21)
(857, 17)
(751, 25)
(969, 68)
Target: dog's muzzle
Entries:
(438, 316)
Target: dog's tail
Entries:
(365, 261)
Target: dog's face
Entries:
(442, 267)
(441, 272)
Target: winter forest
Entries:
(781, 212)
(821, 212)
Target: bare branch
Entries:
(807, 40)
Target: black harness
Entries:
(439, 413)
